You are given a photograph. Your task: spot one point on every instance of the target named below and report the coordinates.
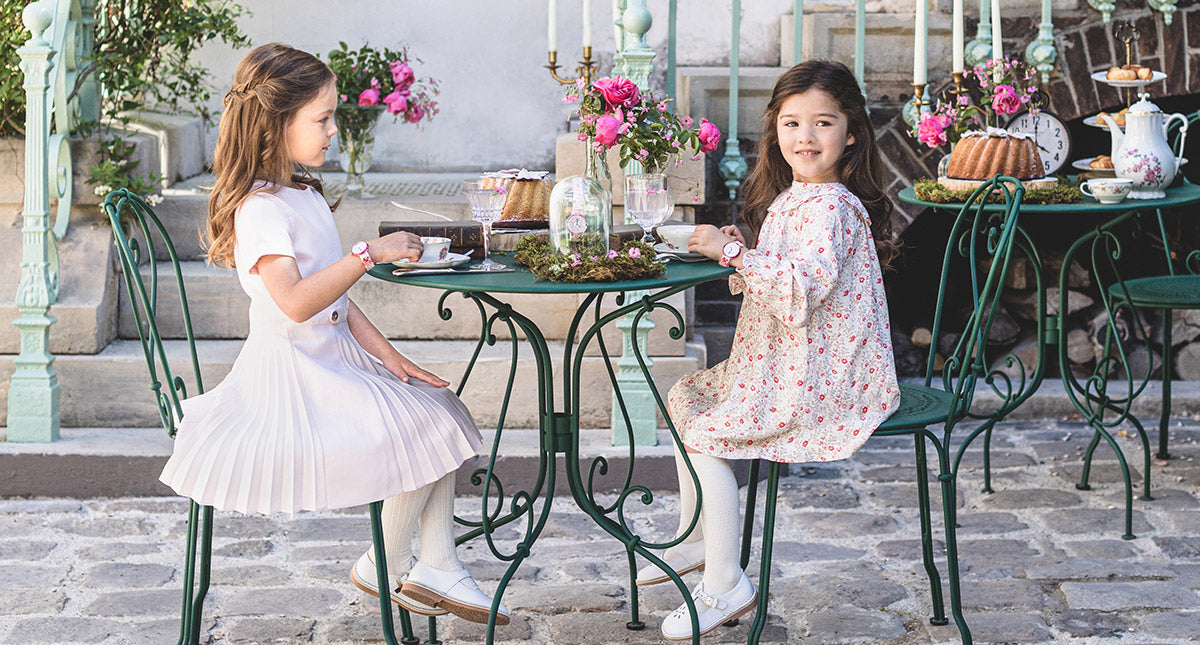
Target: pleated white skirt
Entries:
(307, 420)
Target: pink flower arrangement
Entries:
(383, 77)
(615, 112)
(1002, 88)
(1005, 100)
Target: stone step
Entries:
(218, 309)
(87, 298)
(111, 389)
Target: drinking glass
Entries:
(648, 201)
(486, 197)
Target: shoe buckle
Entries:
(711, 602)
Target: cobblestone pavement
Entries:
(1042, 561)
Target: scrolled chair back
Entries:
(134, 224)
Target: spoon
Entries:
(410, 208)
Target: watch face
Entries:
(1051, 135)
(732, 249)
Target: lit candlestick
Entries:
(920, 33)
(957, 64)
(587, 23)
(552, 28)
(997, 42)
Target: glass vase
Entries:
(580, 216)
(356, 144)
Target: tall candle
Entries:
(552, 28)
(956, 35)
(587, 23)
(920, 33)
(997, 41)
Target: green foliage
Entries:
(1064, 193)
(12, 95)
(589, 262)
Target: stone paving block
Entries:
(1120, 596)
(328, 529)
(165, 630)
(587, 629)
(1180, 547)
(995, 627)
(39, 506)
(1186, 522)
(18, 601)
(281, 602)
(144, 505)
(250, 549)
(563, 599)
(259, 575)
(1000, 458)
(1182, 625)
(347, 552)
(849, 624)
(269, 630)
(1165, 499)
(518, 630)
(1097, 569)
(976, 523)
(1031, 498)
(28, 576)
(788, 551)
(1008, 595)
(1103, 549)
(906, 549)
(824, 591)
(1094, 520)
(25, 550)
(1102, 474)
(843, 524)
(148, 603)
(61, 629)
(126, 574)
(818, 495)
(1188, 574)
(119, 550)
(110, 527)
(1083, 623)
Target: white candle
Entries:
(920, 33)
(552, 28)
(997, 41)
(587, 23)
(957, 36)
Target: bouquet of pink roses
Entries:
(614, 111)
(1003, 87)
(368, 77)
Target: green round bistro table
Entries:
(1108, 231)
(559, 423)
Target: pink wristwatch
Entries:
(363, 252)
(729, 252)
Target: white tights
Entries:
(432, 507)
(720, 528)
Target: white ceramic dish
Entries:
(452, 260)
(1095, 123)
(1082, 164)
(686, 256)
(1101, 77)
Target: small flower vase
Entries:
(597, 167)
(356, 132)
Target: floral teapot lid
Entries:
(1143, 106)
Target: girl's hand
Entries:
(397, 246)
(733, 231)
(709, 241)
(405, 369)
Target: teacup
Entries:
(1107, 190)
(675, 236)
(435, 249)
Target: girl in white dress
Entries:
(810, 374)
(319, 410)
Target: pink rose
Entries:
(618, 91)
(396, 103)
(402, 75)
(368, 97)
(635, 252)
(607, 130)
(415, 112)
(710, 136)
(932, 131)
(1005, 100)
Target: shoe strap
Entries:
(711, 602)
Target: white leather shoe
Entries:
(682, 558)
(454, 591)
(711, 610)
(364, 576)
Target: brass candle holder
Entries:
(585, 70)
(1127, 34)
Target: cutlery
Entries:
(418, 210)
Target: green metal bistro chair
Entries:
(980, 246)
(134, 225)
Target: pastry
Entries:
(1103, 162)
(1118, 118)
(528, 194)
(982, 155)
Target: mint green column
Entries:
(733, 167)
(33, 395)
(1040, 53)
(979, 50)
(860, 45)
(634, 61)
(797, 31)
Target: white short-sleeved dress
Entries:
(811, 372)
(307, 419)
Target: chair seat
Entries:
(920, 406)
(1161, 292)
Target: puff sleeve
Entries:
(798, 269)
(263, 227)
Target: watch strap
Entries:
(363, 252)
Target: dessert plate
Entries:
(452, 260)
(686, 256)
(1100, 77)
(1082, 164)
(1095, 123)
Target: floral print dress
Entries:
(811, 372)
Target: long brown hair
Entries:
(270, 85)
(858, 168)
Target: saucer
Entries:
(1102, 77)
(686, 256)
(452, 260)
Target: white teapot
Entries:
(1142, 153)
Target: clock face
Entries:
(1050, 134)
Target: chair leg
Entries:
(199, 553)
(768, 542)
(748, 523)
(385, 585)
(925, 510)
(950, 513)
(1168, 367)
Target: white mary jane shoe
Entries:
(682, 559)
(454, 591)
(711, 610)
(364, 576)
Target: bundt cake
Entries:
(528, 194)
(982, 155)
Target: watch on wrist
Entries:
(363, 252)
(730, 251)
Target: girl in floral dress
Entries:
(810, 374)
